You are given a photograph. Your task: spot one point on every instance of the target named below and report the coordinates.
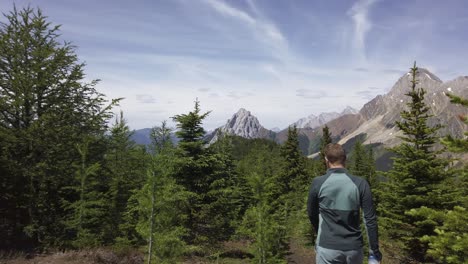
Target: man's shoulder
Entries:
(359, 181)
(355, 178)
(319, 180)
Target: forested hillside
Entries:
(72, 178)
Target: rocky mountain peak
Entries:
(243, 124)
(349, 111)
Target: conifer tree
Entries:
(294, 177)
(449, 242)
(89, 209)
(162, 203)
(261, 223)
(326, 139)
(46, 108)
(362, 163)
(125, 164)
(206, 175)
(264, 220)
(415, 177)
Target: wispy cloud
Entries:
(359, 14)
(264, 30)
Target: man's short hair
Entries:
(335, 153)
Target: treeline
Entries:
(71, 180)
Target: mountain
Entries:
(313, 121)
(374, 123)
(381, 112)
(242, 124)
(142, 137)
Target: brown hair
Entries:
(335, 153)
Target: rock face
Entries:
(381, 112)
(242, 124)
(313, 121)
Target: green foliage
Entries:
(207, 175)
(125, 165)
(362, 163)
(457, 145)
(261, 223)
(294, 181)
(415, 178)
(162, 205)
(89, 210)
(449, 244)
(45, 110)
(326, 139)
(294, 177)
(190, 131)
(449, 241)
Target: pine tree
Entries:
(326, 139)
(125, 164)
(206, 175)
(362, 163)
(415, 177)
(294, 177)
(261, 223)
(45, 109)
(162, 207)
(89, 209)
(449, 243)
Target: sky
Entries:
(281, 60)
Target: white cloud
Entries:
(264, 30)
(362, 25)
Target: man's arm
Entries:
(313, 205)
(370, 219)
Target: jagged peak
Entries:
(242, 111)
(423, 73)
(349, 110)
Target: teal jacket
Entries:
(334, 205)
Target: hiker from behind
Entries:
(334, 204)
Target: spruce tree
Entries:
(294, 177)
(89, 209)
(362, 163)
(415, 177)
(207, 176)
(162, 203)
(125, 164)
(449, 242)
(326, 139)
(46, 108)
(264, 219)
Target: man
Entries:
(334, 204)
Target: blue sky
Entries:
(282, 60)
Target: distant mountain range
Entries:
(374, 123)
(313, 121)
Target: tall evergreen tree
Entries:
(89, 209)
(45, 109)
(262, 223)
(206, 175)
(125, 164)
(264, 218)
(326, 139)
(294, 177)
(162, 203)
(362, 163)
(415, 177)
(449, 242)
